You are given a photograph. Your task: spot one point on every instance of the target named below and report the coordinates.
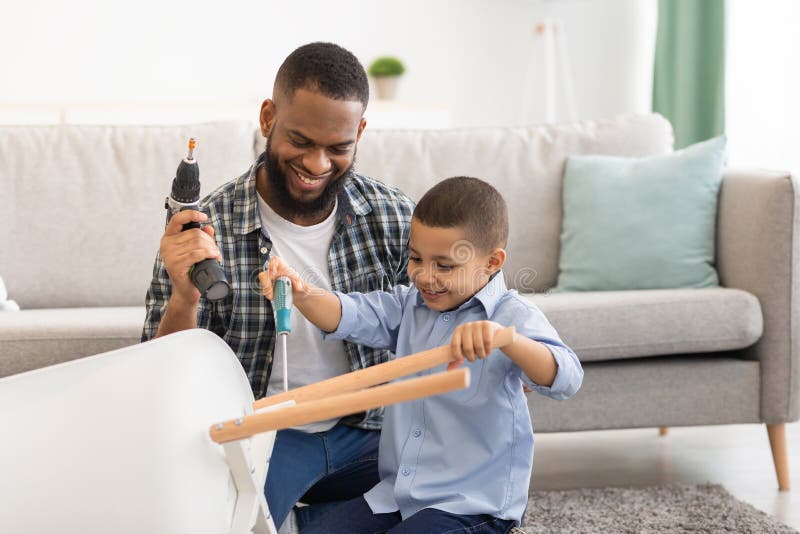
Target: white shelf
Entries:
(381, 114)
(399, 114)
(145, 113)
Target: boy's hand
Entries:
(275, 269)
(472, 341)
(319, 306)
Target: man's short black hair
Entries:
(467, 203)
(326, 68)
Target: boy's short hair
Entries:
(326, 68)
(468, 203)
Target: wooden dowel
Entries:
(340, 405)
(376, 374)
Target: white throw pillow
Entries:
(6, 305)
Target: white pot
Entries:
(386, 86)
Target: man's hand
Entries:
(472, 341)
(275, 269)
(180, 250)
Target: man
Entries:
(301, 200)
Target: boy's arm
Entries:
(533, 325)
(569, 372)
(534, 358)
(371, 319)
(474, 340)
(319, 306)
(548, 366)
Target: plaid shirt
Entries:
(368, 252)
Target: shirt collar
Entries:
(245, 201)
(352, 202)
(489, 295)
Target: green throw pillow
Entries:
(641, 223)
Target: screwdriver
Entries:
(282, 306)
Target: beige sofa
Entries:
(83, 213)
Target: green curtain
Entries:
(689, 74)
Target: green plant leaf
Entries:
(386, 66)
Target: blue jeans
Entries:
(356, 517)
(320, 469)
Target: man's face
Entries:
(311, 145)
(445, 267)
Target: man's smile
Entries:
(310, 181)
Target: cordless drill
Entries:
(207, 275)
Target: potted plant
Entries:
(386, 70)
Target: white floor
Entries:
(736, 456)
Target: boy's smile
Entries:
(445, 267)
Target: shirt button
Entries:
(446, 317)
(264, 250)
(406, 471)
(417, 433)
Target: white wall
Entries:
(473, 56)
(763, 84)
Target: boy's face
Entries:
(446, 267)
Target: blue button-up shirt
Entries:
(469, 451)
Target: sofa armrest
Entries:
(758, 250)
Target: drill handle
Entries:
(189, 226)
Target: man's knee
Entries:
(298, 461)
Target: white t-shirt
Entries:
(310, 358)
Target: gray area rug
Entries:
(672, 508)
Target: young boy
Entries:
(461, 461)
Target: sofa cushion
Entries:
(641, 223)
(609, 325)
(82, 207)
(525, 164)
(696, 389)
(36, 338)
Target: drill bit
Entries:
(285, 364)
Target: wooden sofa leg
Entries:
(777, 442)
(662, 430)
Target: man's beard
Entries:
(290, 206)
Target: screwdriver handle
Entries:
(282, 304)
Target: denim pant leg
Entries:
(433, 521)
(319, 469)
(298, 461)
(351, 517)
(352, 471)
